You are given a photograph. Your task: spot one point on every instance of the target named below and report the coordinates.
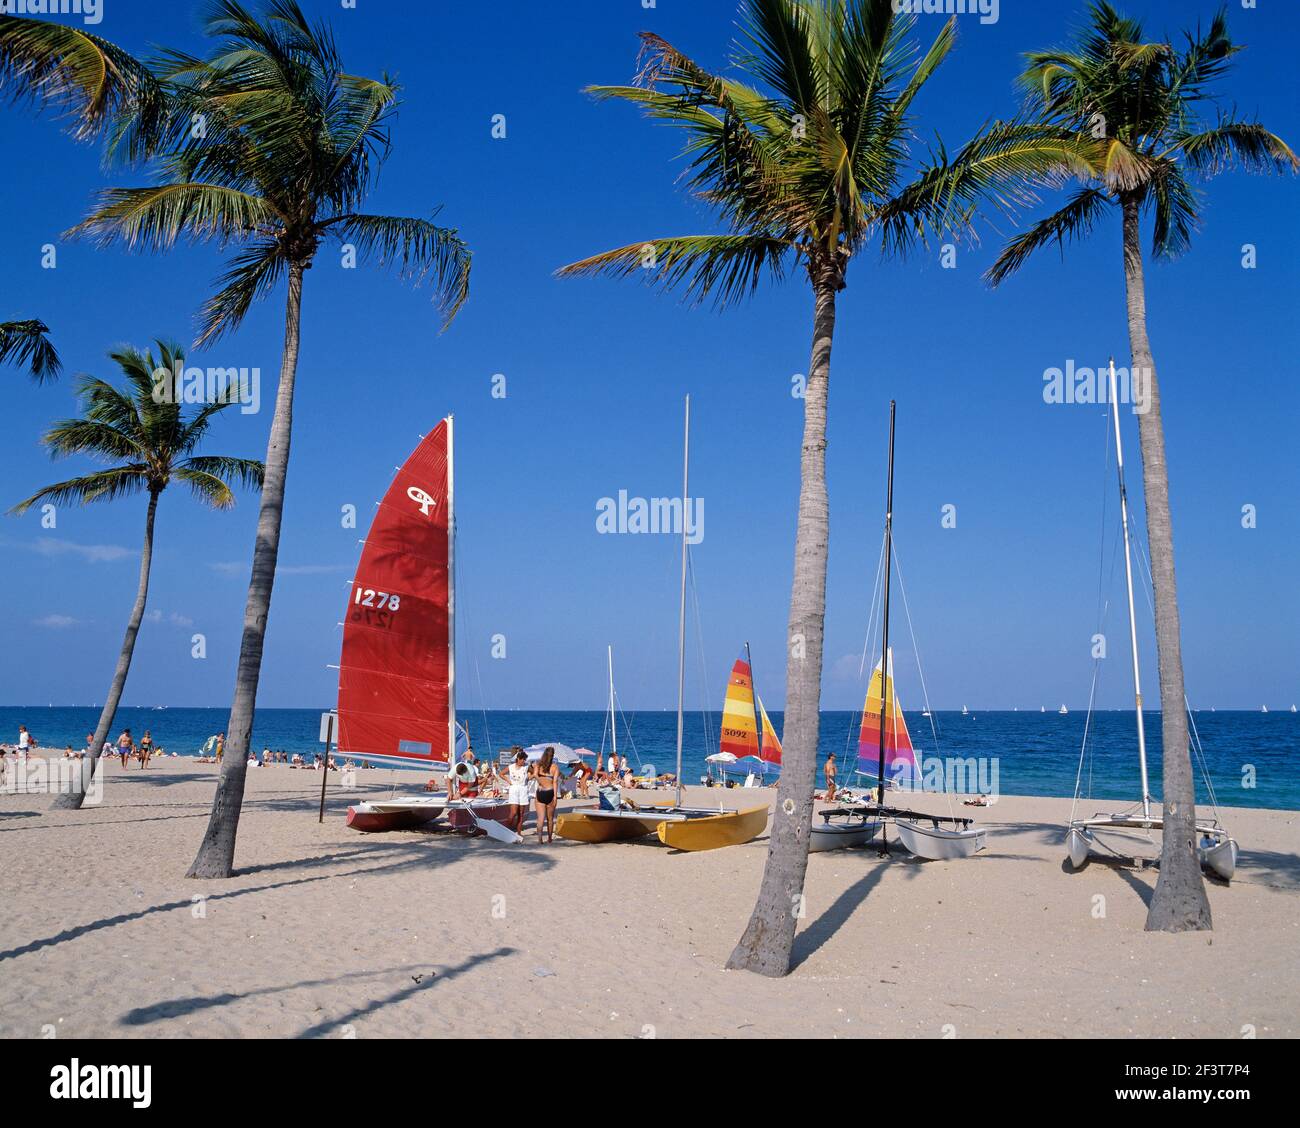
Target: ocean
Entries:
(1253, 758)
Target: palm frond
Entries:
(28, 343)
(92, 437)
(245, 472)
(89, 81)
(104, 485)
(1074, 221)
(157, 217)
(1174, 202)
(1236, 144)
(251, 275)
(725, 268)
(418, 248)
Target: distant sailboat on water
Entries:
(1063, 711)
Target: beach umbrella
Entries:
(563, 753)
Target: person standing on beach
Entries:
(517, 795)
(830, 777)
(221, 745)
(124, 743)
(547, 774)
(24, 741)
(146, 748)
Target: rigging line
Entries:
(707, 718)
(850, 760)
(925, 693)
(463, 613)
(1148, 588)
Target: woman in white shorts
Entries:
(517, 796)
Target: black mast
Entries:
(884, 634)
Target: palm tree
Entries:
(149, 442)
(806, 158)
(1138, 105)
(269, 145)
(28, 342)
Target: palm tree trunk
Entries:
(216, 856)
(72, 800)
(1179, 903)
(769, 938)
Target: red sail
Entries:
(395, 676)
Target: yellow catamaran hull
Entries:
(710, 832)
(579, 826)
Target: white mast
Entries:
(681, 614)
(613, 719)
(451, 602)
(1128, 576)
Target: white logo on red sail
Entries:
(422, 499)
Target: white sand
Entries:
(326, 932)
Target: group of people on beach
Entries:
(538, 783)
(125, 746)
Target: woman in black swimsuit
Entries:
(547, 774)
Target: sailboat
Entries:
(964, 711)
(678, 826)
(1217, 851)
(1263, 708)
(885, 747)
(1063, 711)
(397, 668)
(747, 733)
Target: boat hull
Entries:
(580, 826)
(1215, 850)
(378, 818)
(460, 818)
(841, 835)
(938, 845)
(713, 831)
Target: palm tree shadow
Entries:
(812, 938)
(179, 1008)
(398, 996)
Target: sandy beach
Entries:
(324, 932)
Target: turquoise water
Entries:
(1036, 753)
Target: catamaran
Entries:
(1114, 833)
(397, 668)
(885, 748)
(678, 826)
(747, 733)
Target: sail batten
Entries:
(396, 667)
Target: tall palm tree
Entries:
(148, 439)
(28, 343)
(270, 145)
(1138, 103)
(805, 156)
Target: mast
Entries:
(1128, 577)
(884, 634)
(451, 600)
(758, 725)
(681, 613)
(613, 718)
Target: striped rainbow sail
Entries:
(740, 734)
(901, 766)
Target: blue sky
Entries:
(1004, 605)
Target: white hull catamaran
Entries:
(885, 747)
(1115, 834)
